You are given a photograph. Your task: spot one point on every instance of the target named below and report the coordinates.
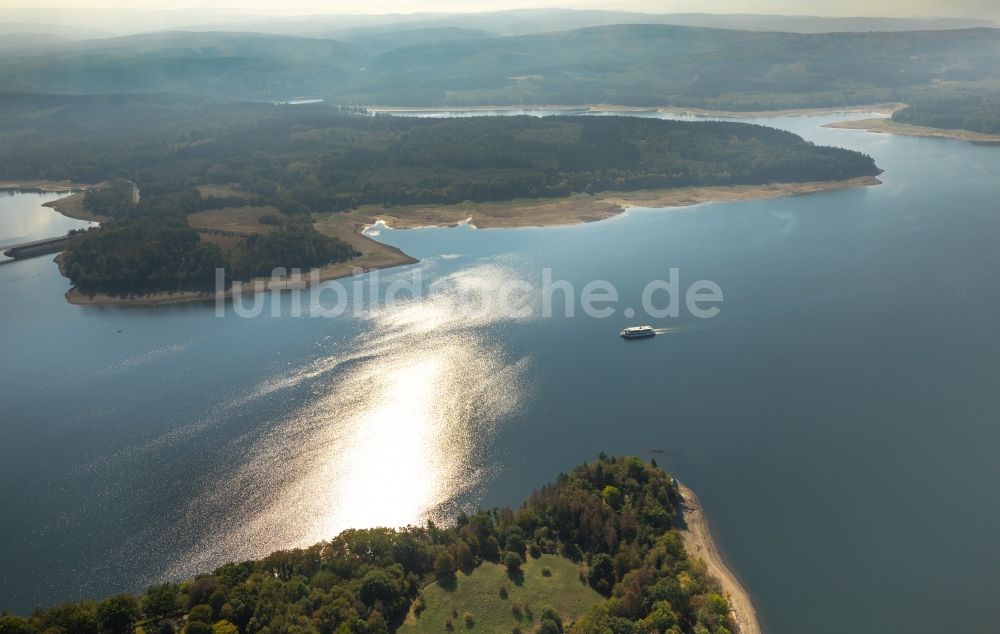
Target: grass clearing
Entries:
(242, 220)
(222, 191)
(72, 207)
(479, 595)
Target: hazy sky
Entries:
(903, 8)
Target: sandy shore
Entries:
(579, 208)
(699, 543)
(72, 207)
(886, 108)
(888, 126)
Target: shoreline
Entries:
(583, 208)
(699, 543)
(248, 289)
(888, 126)
(887, 108)
(569, 210)
(72, 207)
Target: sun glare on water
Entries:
(393, 435)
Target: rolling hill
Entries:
(638, 64)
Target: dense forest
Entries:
(136, 256)
(637, 64)
(976, 112)
(614, 517)
(148, 246)
(315, 159)
(320, 159)
(162, 254)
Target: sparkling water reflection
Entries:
(394, 435)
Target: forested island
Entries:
(241, 185)
(611, 524)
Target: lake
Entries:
(23, 219)
(837, 418)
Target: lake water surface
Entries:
(23, 219)
(838, 419)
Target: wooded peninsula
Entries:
(246, 186)
(605, 544)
